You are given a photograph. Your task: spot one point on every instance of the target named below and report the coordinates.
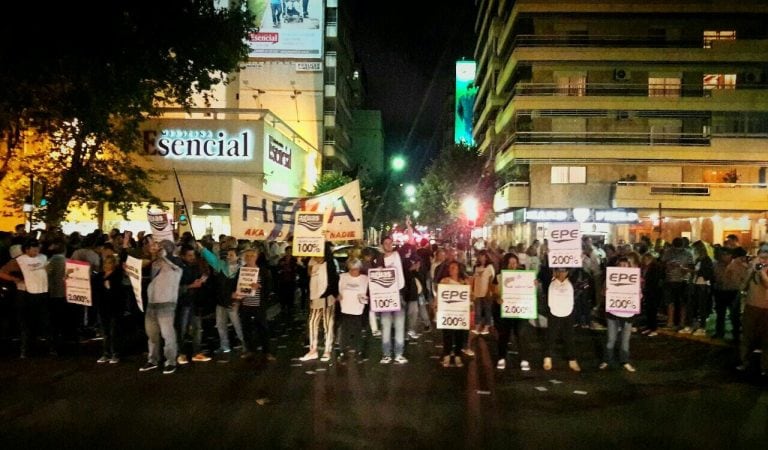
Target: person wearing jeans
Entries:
(484, 275)
(391, 258)
(619, 322)
(224, 271)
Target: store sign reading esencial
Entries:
(199, 144)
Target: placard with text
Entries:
(77, 282)
(622, 291)
(133, 270)
(382, 287)
(453, 306)
(518, 294)
(248, 276)
(564, 244)
(309, 234)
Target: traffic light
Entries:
(43, 196)
(183, 218)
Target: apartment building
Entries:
(634, 118)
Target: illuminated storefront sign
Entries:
(615, 216)
(547, 215)
(198, 144)
(580, 215)
(279, 153)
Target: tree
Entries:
(329, 181)
(83, 86)
(457, 172)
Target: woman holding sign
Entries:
(506, 327)
(560, 299)
(353, 296)
(454, 340)
(618, 323)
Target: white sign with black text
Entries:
(564, 244)
(518, 294)
(453, 306)
(382, 286)
(622, 291)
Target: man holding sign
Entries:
(453, 300)
(622, 302)
(392, 313)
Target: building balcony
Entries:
(698, 196)
(515, 194)
(648, 138)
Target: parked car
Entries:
(341, 254)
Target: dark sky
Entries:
(408, 50)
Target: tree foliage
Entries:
(329, 181)
(457, 172)
(92, 73)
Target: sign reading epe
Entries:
(622, 293)
(453, 306)
(564, 244)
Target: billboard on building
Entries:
(466, 91)
(287, 29)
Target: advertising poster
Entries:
(248, 276)
(453, 306)
(77, 282)
(133, 270)
(564, 244)
(518, 294)
(287, 29)
(258, 215)
(466, 91)
(309, 235)
(622, 291)
(382, 286)
(160, 225)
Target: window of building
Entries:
(569, 175)
(572, 85)
(719, 81)
(710, 36)
(664, 86)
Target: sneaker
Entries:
(458, 362)
(446, 361)
(376, 333)
(309, 356)
(486, 330)
(524, 366)
(102, 360)
(653, 334)
(220, 351)
(547, 363)
(603, 366)
(201, 357)
(182, 359)
(413, 335)
(400, 359)
(741, 367)
(326, 357)
(596, 326)
(700, 332)
(114, 360)
(169, 369)
(645, 331)
(270, 357)
(502, 364)
(469, 352)
(686, 330)
(574, 365)
(385, 360)
(147, 367)
(630, 368)
(476, 331)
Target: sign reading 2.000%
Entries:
(518, 294)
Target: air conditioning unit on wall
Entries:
(752, 77)
(622, 75)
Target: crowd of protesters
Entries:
(185, 281)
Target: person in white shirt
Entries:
(391, 258)
(560, 322)
(28, 271)
(353, 296)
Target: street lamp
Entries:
(398, 163)
(410, 190)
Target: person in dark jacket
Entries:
(700, 300)
(652, 278)
(224, 273)
(110, 304)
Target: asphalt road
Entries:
(685, 394)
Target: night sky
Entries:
(408, 52)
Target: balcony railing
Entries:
(560, 40)
(606, 138)
(707, 196)
(515, 194)
(617, 90)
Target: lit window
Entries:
(569, 175)
(572, 86)
(664, 87)
(709, 36)
(719, 81)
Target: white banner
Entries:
(77, 282)
(248, 276)
(133, 270)
(309, 234)
(453, 306)
(564, 244)
(160, 225)
(382, 286)
(622, 291)
(518, 294)
(258, 215)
